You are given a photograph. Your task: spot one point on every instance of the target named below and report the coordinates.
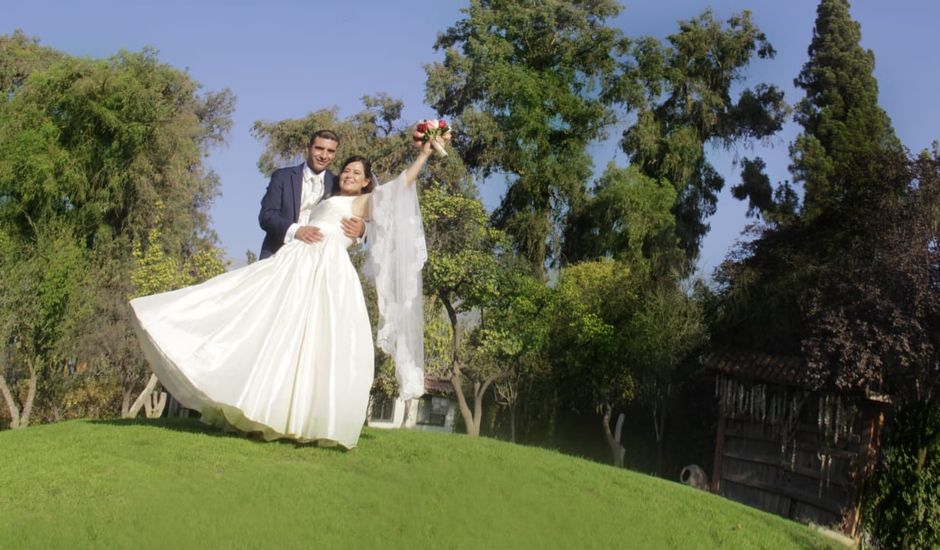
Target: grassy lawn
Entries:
(176, 484)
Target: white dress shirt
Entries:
(311, 190)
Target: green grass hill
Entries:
(176, 484)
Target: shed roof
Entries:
(757, 366)
(438, 386)
(773, 369)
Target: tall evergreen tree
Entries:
(840, 156)
(844, 129)
(852, 281)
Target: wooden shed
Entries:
(786, 449)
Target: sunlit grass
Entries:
(176, 484)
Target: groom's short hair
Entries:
(325, 134)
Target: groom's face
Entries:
(321, 153)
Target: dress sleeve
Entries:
(396, 254)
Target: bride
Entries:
(284, 346)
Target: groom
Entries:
(290, 187)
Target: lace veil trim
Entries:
(396, 254)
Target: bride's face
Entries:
(352, 179)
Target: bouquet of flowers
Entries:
(435, 131)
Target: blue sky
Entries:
(283, 59)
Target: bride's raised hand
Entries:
(411, 174)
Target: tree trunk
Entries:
(30, 395)
(480, 391)
(512, 422)
(473, 430)
(19, 417)
(144, 395)
(613, 439)
(125, 402)
(154, 404)
(11, 403)
(552, 418)
(922, 452)
(455, 380)
(659, 430)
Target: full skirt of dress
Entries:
(282, 346)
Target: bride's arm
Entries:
(411, 174)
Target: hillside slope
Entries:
(174, 483)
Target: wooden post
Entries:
(719, 450)
(874, 420)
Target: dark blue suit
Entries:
(280, 206)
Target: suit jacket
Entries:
(280, 206)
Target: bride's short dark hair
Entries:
(367, 166)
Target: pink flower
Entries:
(422, 127)
(442, 123)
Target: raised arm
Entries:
(411, 174)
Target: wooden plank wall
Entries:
(758, 469)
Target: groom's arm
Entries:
(271, 217)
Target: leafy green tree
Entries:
(902, 509)
(628, 217)
(91, 147)
(594, 304)
(38, 285)
(777, 206)
(512, 336)
(666, 329)
(99, 142)
(681, 95)
(461, 274)
(522, 80)
(113, 369)
(20, 56)
(845, 131)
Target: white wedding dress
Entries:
(283, 346)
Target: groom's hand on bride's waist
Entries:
(309, 234)
(354, 227)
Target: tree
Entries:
(769, 284)
(780, 206)
(664, 332)
(681, 96)
(20, 56)
(873, 319)
(849, 282)
(627, 217)
(594, 304)
(89, 147)
(522, 80)
(38, 285)
(844, 130)
(460, 275)
(512, 337)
